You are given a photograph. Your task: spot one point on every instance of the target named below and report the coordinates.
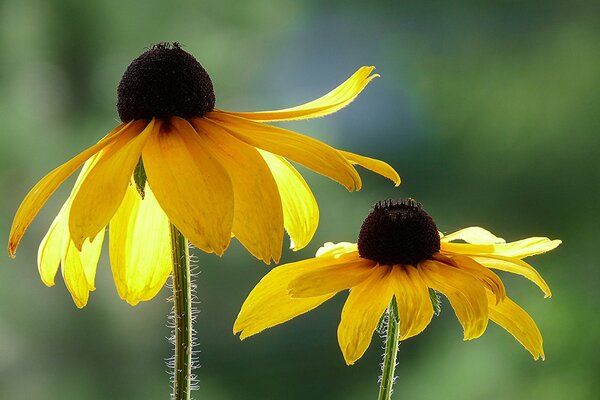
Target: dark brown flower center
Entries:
(398, 232)
(163, 82)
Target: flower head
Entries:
(400, 254)
(213, 174)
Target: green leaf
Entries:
(435, 301)
(139, 176)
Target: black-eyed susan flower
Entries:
(401, 255)
(213, 174)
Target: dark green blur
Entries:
(490, 113)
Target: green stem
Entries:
(391, 350)
(182, 308)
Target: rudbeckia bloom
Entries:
(213, 174)
(400, 254)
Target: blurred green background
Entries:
(489, 111)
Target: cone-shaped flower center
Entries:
(398, 232)
(163, 82)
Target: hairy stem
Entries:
(391, 350)
(182, 308)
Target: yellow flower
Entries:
(401, 254)
(213, 174)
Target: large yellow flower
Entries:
(212, 174)
(400, 254)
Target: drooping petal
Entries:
(487, 278)
(258, 215)
(269, 303)
(342, 274)
(362, 311)
(414, 304)
(518, 323)
(337, 249)
(300, 209)
(140, 252)
(515, 266)
(304, 150)
(103, 189)
(333, 101)
(372, 164)
(39, 194)
(192, 188)
(473, 235)
(465, 293)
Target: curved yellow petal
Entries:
(192, 188)
(269, 303)
(103, 189)
(139, 247)
(337, 249)
(300, 209)
(362, 312)
(412, 296)
(333, 101)
(526, 247)
(304, 150)
(341, 274)
(487, 278)
(379, 167)
(518, 323)
(39, 194)
(473, 235)
(451, 248)
(79, 267)
(515, 266)
(258, 215)
(465, 293)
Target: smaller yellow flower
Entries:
(401, 254)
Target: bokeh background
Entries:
(489, 111)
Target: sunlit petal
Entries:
(39, 194)
(103, 189)
(412, 296)
(333, 101)
(362, 311)
(465, 293)
(258, 215)
(192, 188)
(341, 274)
(379, 167)
(337, 249)
(304, 150)
(140, 252)
(300, 209)
(269, 303)
(473, 235)
(518, 323)
(515, 266)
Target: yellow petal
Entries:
(466, 295)
(269, 303)
(372, 164)
(518, 323)
(52, 246)
(300, 209)
(333, 101)
(526, 247)
(37, 197)
(304, 150)
(466, 248)
(362, 312)
(341, 274)
(140, 251)
(258, 214)
(337, 249)
(487, 278)
(515, 266)
(103, 189)
(192, 188)
(79, 267)
(414, 304)
(474, 235)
